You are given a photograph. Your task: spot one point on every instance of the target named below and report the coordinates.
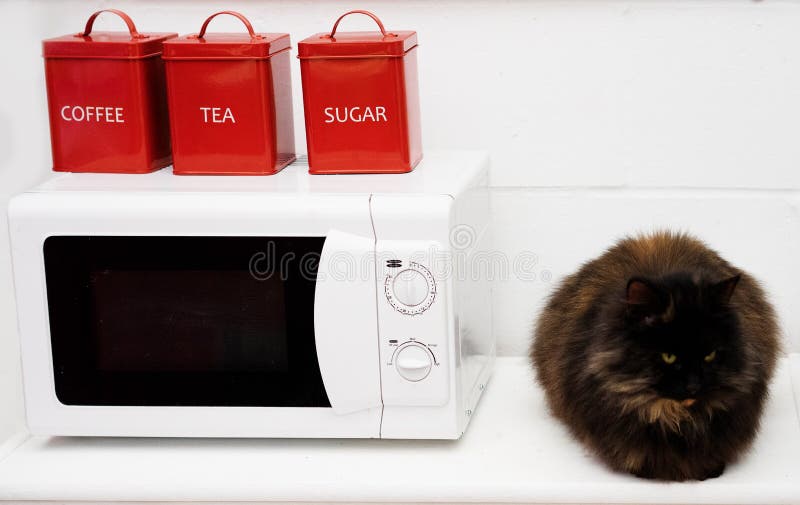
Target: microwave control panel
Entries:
(410, 288)
(412, 324)
(413, 360)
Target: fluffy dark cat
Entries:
(657, 356)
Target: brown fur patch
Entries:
(666, 412)
(669, 313)
(633, 460)
(627, 386)
(601, 360)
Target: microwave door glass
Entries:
(184, 321)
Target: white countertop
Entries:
(512, 452)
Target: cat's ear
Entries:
(646, 300)
(723, 290)
(641, 292)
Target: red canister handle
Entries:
(366, 13)
(253, 34)
(128, 21)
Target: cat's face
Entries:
(684, 336)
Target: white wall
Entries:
(603, 117)
(756, 230)
(24, 159)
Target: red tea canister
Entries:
(230, 101)
(361, 99)
(107, 100)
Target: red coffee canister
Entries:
(361, 99)
(230, 101)
(107, 100)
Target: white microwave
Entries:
(283, 306)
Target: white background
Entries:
(602, 117)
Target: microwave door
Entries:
(345, 322)
(184, 321)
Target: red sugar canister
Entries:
(361, 99)
(230, 101)
(107, 100)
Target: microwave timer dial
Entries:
(413, 361)
(411, 290)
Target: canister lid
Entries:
(354, 44)
(105, 45)
(248, 45)
(357, 44)
(225, 46)
(88, 44)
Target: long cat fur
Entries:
(580, 356)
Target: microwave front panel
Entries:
(168, 247)
(184, 321)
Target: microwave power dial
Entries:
(411, 290)
(413, 362)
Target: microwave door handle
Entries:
(345, 322)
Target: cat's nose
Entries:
(693, 387)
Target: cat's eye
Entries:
(668, 358)
(710, 357)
